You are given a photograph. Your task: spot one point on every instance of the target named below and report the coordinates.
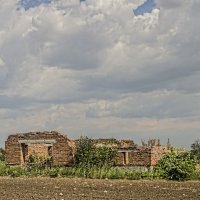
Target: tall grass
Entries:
(92, 173)
(101, 173)
(13, 171)
(3, 169)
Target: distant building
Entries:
(141, 156)
(61, 150)
(130, 154)
(19, 147)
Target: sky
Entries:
(146, 7)
(125, 69)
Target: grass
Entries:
(92, 173)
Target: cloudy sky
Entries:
(102, 68)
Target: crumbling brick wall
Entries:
(13, 151)
(62, 149)
(141, 156)
(119, 159)
(138, 156)
(198, 167)
(39, 150)
(157, 152)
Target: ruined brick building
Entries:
(19, 147)
(61, 149)
(141, 156)
(130, 154)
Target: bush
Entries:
(53, 173)
(15, 171)
(134, 175)
(3, 169)
(89, 156)
(177, 166)
(84, 156)
(195, 175)
(36, 163)
(116, 173)
(2, 154)
(195, 149)
(104, 156)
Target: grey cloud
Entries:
(151, 79)
(83, 50)
(101, 66)
(159, 105)
(15, 102)
(170, 4)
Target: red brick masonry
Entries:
(61, 149)
(19, 146)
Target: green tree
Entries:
(2, 154)
(88, 155)
(177, 165)
(84, 156)
(105, 156)
(195, 149)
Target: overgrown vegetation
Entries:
(195, 149)
(89, 156)
(2, 154)
(10, 170)
(96, 162)
(35, 163)
(177, 166)
(93, 173)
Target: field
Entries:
(77, 189)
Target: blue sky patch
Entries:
(146, 7)
(26, 4)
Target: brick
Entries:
(62, 150)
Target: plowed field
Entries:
(77, 189)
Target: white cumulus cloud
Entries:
(94, 67)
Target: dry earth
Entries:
(74, 189)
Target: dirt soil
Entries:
(74, 189)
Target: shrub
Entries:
(116, 173)
(177, 166)
(195, 175)
(195, 149)
(2, 154)
(104, 156)
(15, 171)
(133, 175)
(65, 172)
(36, 163)
(53, 173)
(88, 155)
(3, 169)
(84, 156)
